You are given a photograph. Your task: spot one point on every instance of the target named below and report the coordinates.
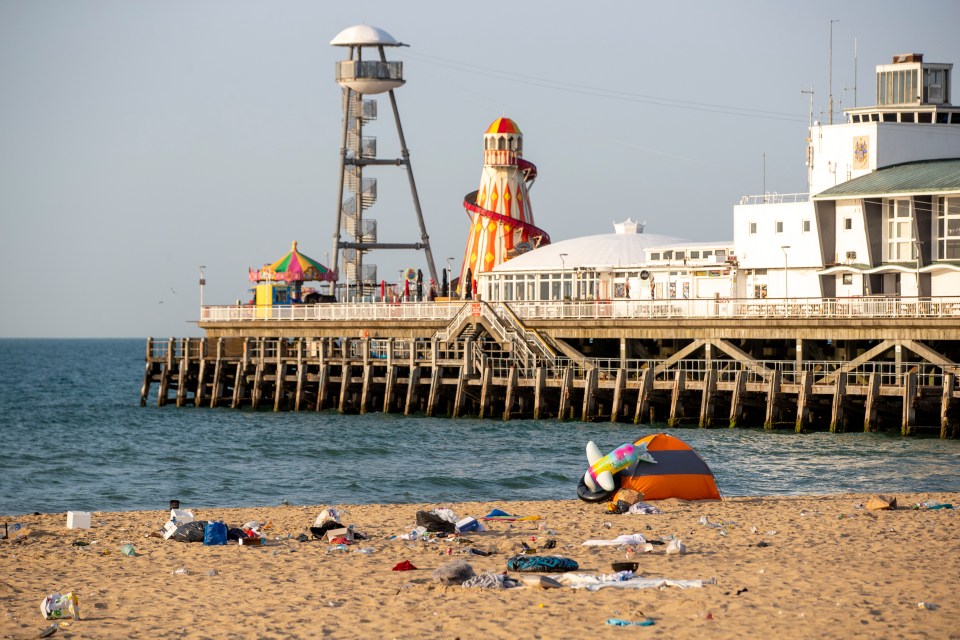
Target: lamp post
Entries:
(203, 281)
(563, 272)
(786, 280)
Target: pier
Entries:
(808, 364)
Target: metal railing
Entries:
(775, 198)
(736, 308)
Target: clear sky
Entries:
(140, 140)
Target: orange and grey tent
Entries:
(679, 473)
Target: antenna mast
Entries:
(831, 69)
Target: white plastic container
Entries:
(78, 519)
(181, 516)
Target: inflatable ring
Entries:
(600, 495)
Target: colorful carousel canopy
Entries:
(293, 267)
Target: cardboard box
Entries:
(340, 533)
(78, 519)
(249, 542)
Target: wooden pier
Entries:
(482, 360)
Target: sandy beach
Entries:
(784, 567)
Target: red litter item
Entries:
(404, 566)
(340, 540)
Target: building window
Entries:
(899, 231)
(753, 228)
(948, 228)
(848, 278)
(694, 255)
(806, 226)
(655, 255)
(779, 226)
(848, 223)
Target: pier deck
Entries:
(887, 367)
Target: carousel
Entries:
(282, 281)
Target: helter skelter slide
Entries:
(501, 217)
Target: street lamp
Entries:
(563, 273)
(786, 281)
(203, 281)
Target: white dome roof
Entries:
(604, 250)
(364, 35)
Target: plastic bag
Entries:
(215, 533)
(58, 606)
(190, 532)
(435, 523)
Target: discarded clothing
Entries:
(618, 622)
(619, 581)
(406, 565)
(490, 580)
(644, 508)
(545, 564)
(625, 539)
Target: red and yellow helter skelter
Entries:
(500, 213)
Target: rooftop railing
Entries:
(775, 198)
(730, 308)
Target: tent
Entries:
(679, 473)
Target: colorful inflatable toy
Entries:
(602, 468)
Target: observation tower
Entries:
(361, 75)
(501, 218)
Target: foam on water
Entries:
(75, 438)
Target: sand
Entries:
(784, 567)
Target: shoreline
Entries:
(802, 566)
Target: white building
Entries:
(882, 184)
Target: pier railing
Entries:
(735, 308)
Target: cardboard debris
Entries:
(881, 503)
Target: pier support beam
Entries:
(773, 394)
(803, 401)
(676, 406)
(870, 406)
(909, 404)
(736, 402)
(485, 392)
(182, 372)
(539, 384)
(618, 386)
(435, 381)
(257, 390)
(836, 415)
(346, 372)
(643, 397)
(511, 391)
(566, 386)
(281, 378)
(301, 377)
(945, 399)
(412, 383)
(589, 396)
(201, 375)
(323, 379)
(708, 399)
(461, 391)
(365, 388)
(388, 387)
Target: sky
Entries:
(140, 141)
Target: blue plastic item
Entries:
(215, 533)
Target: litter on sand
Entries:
(620, 581)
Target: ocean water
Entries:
(75, 438)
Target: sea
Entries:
(75, 438)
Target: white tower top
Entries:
(364, 35)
